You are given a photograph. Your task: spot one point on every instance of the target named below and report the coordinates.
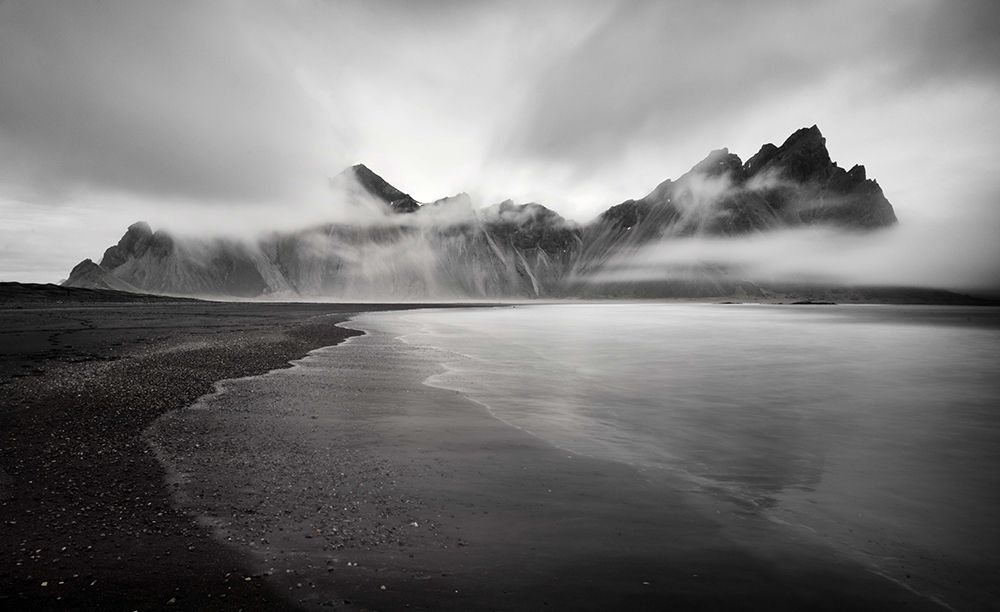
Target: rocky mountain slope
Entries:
(446, 249)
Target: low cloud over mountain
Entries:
(399, 248)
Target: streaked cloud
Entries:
(206, 116)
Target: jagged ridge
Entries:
(445, 249)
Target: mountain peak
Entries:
(807, 132)
(93, 276)
(378, 187)
(717, 162)
(139, 229)
(802, 157)
(809, 137)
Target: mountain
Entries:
(154, 262)
(87, 274)
(793, 185)
(377, 186)
(446, 249)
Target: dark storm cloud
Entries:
(658, 71)
(948, 41)
(210, 116)
(250, 101)
(226, 100)
(169, 98)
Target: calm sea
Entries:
(872, 429)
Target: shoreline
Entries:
(85, 503)
(82, 500)
(401, 495)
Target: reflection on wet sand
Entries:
(770, 451)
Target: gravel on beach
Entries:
(87, 519)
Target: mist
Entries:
(902, 256)
(225, 118)
(935, 251)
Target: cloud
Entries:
(248, 102)
(903, 256)
(658, 71)
(205, 115)
(953, 252)
(156, 99)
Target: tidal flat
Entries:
(593, 456)
(582, 456)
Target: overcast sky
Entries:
(228, 116)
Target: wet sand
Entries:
(369, 490)
(373, 481)
(86, 518)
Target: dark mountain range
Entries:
(375, 185)
(446, 249)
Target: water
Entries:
(871, 429)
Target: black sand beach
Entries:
(503, 520)
(87, 520)
(379, 491)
